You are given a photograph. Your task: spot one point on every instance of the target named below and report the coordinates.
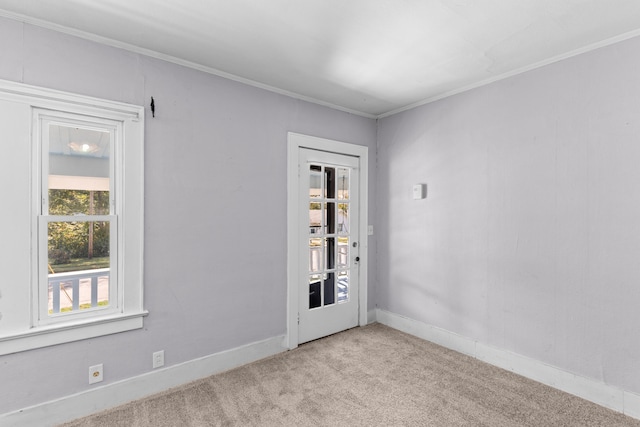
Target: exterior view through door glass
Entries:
(328, 270)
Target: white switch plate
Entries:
(95, 374)
(419, 191)
(158, 359)
(370, 230)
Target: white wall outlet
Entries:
(158, 359)
(95, 374)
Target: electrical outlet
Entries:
(158, 359)
(95, 374)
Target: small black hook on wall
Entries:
(153, 107)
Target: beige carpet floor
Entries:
(371, 376)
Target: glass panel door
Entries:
(329, 237)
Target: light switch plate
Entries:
(419, 191)
(158, 359)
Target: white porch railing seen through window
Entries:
(78, 290)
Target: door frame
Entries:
(295, 142)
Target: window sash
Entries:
(43, 120)
(41, 293)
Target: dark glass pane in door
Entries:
(330, 182)
(329, 289)
(315, 299)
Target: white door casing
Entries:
(350, 312)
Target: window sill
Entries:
(61, 333)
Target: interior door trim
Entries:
(295, 142)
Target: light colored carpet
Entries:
(371, 376)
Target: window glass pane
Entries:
(72, 202)
(329, 289)
(343, 218)
(330, 252)
(330, 218)
(78, 265)
(343, 286)
(330, 182)
(79, 166)
(314, 290)
(315, 181)
(343, 252)
(343, 183)
(315, 255)
(315, 217)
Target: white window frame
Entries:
(125, 311)
(42, 119)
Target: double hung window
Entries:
(78, 221)
(77, 261)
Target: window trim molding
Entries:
(41, 120)
(60, 333)
(53, 99)
(131, 217)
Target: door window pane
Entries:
(315, 217)
(330, 218)
(343, 286)
(329, 289)
(330, 252)
(343, 252)
(343, 218)
(330, 182)
(343, 183)
(315, 298)
(315, 255)
(315, 181)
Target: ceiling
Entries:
(369, 57)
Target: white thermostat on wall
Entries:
(419, 191)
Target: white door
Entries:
(329, 244)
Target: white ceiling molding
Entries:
(372, 58)
(594, 46)
(168, 58)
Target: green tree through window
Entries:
(81, 239)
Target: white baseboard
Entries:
(110, 395)
(589, 389)
(97, 399)
(371, 316)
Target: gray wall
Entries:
(215, 207)
(529, 239)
